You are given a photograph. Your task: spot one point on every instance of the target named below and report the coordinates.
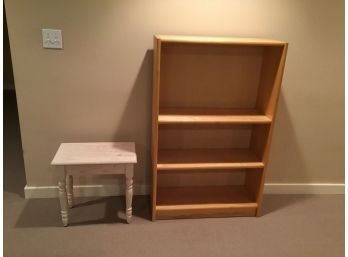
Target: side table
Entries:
(79, 159)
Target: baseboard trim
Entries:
(83, 191)
(111, 190)
(304, 188)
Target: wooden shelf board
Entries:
(219, 40)
(207, 201)
(190, 159)
(211, 116)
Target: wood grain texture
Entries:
(268, 85)
(258, 140)
(203, 195)
(95, 153)
(211, 116)
(155, 111)
(209, 76)
(218, 40)
(272, 108)
(217, 95)
(253, 181)
(204, 136)
(200, 177)
(186, 159)
(188, 202)
(206, 211)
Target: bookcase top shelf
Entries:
(211, 116)
(219, 40)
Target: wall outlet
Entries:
(52, 38)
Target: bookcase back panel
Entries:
(204, 137)
(209, 76)
(201, 178)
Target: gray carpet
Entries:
(291, 225)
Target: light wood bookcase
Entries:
(214, 105)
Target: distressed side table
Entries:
(94, 159)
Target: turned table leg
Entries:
(63, 202)
(129, 192)
(70, 191)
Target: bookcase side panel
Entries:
(155, 111)
(269, 85)
(271, 108)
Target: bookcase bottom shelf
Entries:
(204, 201)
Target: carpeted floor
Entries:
(291, 225)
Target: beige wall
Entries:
(99, 87)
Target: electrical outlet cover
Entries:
(52, 38)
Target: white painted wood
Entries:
(93, 169)
(129, 191)
(94, 159)
(95, 153)
(70, 190)
(63, 203)
(35, 192)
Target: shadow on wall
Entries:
(285, 150)
(13, 167)
(135, 124)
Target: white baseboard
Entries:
(304, 188)
(111, 190)
(83, 191)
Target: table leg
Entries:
(63, 202)
(129, 192)
(69, 189)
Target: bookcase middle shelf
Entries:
(211, 116)
(198, 159)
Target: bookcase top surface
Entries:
(218, 40)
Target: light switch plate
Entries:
(52, 38)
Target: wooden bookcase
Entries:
(214, 105)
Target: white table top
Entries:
(95, 153)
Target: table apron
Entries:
(95, 169)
